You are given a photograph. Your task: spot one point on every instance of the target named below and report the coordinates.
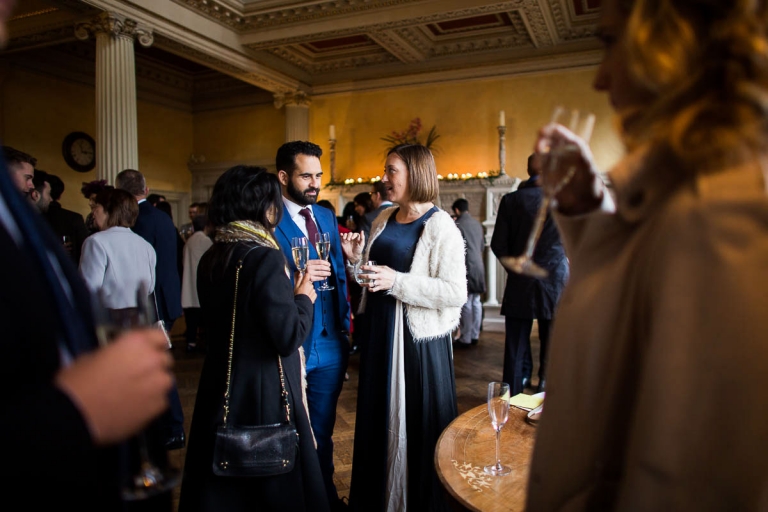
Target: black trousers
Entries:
(518, 362)
(193, 318)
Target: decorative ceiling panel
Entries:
(272, 43)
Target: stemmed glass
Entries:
(498, 409)
(300, 253)
(580, 123)
(145, 478)
(323, 247)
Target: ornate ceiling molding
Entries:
(398, 46)
(44, 36)
(390, 25)
(292, 98)
(115, 25)
(219, 64)
(314, 67)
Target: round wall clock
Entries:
(79, 151)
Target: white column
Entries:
(296, 114)
(117, 146)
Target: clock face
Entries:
(79, 151)
(83, 152)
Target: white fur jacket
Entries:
(435, 288)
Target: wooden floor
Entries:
(474, 368)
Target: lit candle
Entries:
(502, 119)
(332, 132)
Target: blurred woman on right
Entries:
(655, 392)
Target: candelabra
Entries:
(332, 155)
(502, 150)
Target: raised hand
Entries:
(352, 245)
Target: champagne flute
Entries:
(323, 247)
(498, 410)
(300, 253)
(362, 276)
(146, 478)
(580, 123)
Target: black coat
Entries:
(69, 223)
(269, 321)
(157, 228)
(528, 297)
(46, 442)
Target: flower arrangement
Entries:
(411, 136)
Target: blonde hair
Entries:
(704, 64)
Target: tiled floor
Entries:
(474, 368)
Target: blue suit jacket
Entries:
(326, 223)
(157, 228)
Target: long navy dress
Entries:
(430, 389)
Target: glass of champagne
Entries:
(323, 248)
(581, 124)
(498, 409)
(362, 276)
(146, 470)
(300, 253)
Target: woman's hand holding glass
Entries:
(584, 191)
(380, 277)
(304, 286)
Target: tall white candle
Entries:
(502, 118)
(332, 132)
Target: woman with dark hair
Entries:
(89, 191)
(273, 319)
(409, 308)
(116, 262)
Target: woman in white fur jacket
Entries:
(407, 390)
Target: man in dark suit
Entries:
(65, 222)
(157, 228)
(526, 298)
(65, 402)
(380, 200)
(474, 239)
(327, 348)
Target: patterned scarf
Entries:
(246, 231)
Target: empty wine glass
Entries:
(145, 478)
(300, 253)
(580, 123)
(498, 410)
(323, 248)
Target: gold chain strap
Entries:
(284, 392)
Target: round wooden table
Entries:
(469, 443)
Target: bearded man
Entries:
(327, 347)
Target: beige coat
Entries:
(657, 389)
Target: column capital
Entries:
(115, 25)
(292, 98)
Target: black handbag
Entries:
(260, 450)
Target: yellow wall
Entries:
(39, 111)
(466, 116)
(241, 134)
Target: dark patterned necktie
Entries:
(311, 226)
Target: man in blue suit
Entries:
(327, 348)
(157, 228)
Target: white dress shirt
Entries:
(292, 209)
